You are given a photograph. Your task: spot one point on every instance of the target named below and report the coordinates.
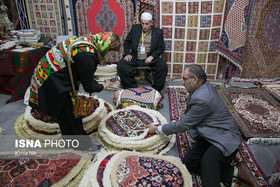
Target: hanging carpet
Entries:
(262, 49)
(94, 16)
(231, 44)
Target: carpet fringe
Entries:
(229, 59)
(175, 87)
(111, 167)
(274, 178)
(265, 141)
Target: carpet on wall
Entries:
(45, 168)
(69, 18)
(231, 44)
(191, 31)
(256, 112)
(136, 169)
(45, 16)
(262, 50)
(116, 16)
(185, 142)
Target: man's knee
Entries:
(191, 165)
(163, 64)
(121, 65)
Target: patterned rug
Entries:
(178, 97)
(95, 16)
(126, 129)
(69, 18)
(273, 89)
(191, 31)
(46, 16)
(232, 41)
(136, 169)
(262, 51)
(58, 168)
(146, 97)
(256, 112)
(185, 142)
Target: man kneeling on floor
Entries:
(215, 131)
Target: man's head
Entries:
(146, 21)
(193, 77)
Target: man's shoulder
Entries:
(136, 26)
(156, 29)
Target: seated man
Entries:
(143, 47)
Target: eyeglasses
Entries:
(184, 78)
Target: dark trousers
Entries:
(126, 71)
(209, 162)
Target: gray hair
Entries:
(196, 70)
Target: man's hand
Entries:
(128, 57)
(152, 129)
(149, 59)
(107, 84)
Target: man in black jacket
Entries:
(143, 47)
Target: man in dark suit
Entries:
(143, 47)
(214, 129)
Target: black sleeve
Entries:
(86, 64)
(160, 44)
(128, 42)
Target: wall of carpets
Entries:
(191, 29)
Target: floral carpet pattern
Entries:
(262, 49)
(232, 41)
(256, 112)
(43, 169)
(136, 169)
(125, 129)
(185, 142)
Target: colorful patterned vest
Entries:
(53, 61)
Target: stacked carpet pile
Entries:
(104, 72)
(33, 124)
(22, 36)
(146, 97)
(126, 129)
(136, 169)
